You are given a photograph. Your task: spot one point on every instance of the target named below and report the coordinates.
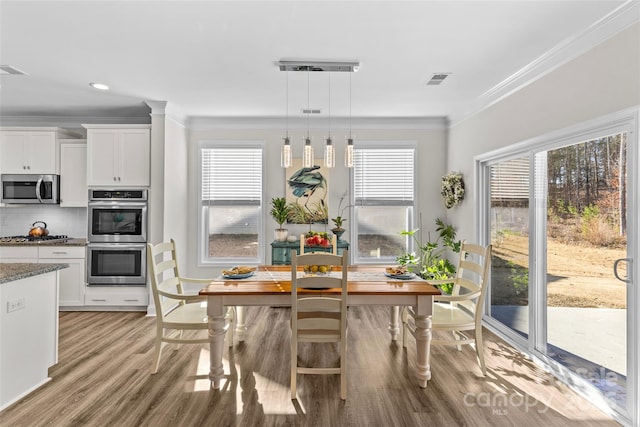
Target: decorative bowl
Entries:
(317, 269)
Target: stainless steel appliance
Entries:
(117, 264)
(117, 216)
(117, 235)
(30, 189)
(35, 239)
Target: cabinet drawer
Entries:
(94, 299)
(23, 252)
(62, 252)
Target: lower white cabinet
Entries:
(121, 296)
(19, 254)
(72, 280)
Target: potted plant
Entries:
(279, 212)
(339, 220)
(430, 263)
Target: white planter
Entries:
(280, 234)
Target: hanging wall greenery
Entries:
(452, 189)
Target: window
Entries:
(231, 202)
(384, 200)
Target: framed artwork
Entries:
(306, 193)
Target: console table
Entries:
(281, 251)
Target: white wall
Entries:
(175, 184)
(430, 136)
(603, 80)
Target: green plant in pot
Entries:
(339, 220)
(430, 263)
(279, 212)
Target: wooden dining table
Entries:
(271, 286)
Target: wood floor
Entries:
(103, 379)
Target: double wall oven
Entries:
(117, 237)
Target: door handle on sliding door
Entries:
(615, 269)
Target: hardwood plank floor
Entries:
(103, 379)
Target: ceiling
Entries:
(219, 59)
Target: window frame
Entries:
(203, 220)
(411, 220)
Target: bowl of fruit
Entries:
(317, 269)
(313, 238)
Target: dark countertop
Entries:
(69, 242)
(16, 271)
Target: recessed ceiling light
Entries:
(99, 86)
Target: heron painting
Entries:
(306, 193)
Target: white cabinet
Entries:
(118, 155)
(29, 338)
(121, 296)
(72, 282)
(73, 173)
(19, 254)
(31, 150)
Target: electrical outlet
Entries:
(16, 304)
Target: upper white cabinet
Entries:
(118, 155)
(31, 150)
(73, 173)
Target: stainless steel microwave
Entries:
(31, 189)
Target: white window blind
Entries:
(384, 176)
(231, 176)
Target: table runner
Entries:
(361, 276)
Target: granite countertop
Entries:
(69, 242)
(16, 271)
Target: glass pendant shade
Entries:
(307, 157)
(285, 153)
(348, 153)
(329, 154)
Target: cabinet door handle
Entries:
(93, 299)
(131, 300)
(59, 253)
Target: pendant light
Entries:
(307, 157)
(285, 151)
(329, 153)
(348, 152)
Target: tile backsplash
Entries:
(17, 220)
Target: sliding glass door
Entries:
(563, 221)
(586, 306)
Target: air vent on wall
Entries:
(437, 79)
(311, 111)
(8, 69)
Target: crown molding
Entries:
(70, 121)
(297, 124)
(572, 47)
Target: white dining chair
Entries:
(461, 312)
(177, 312)
(319, 319)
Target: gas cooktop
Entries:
(34, 239)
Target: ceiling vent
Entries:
(437, 79)
(8, 69)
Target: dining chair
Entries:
(319, 319)
(334, 246)
(461, 312)
(177, 311)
